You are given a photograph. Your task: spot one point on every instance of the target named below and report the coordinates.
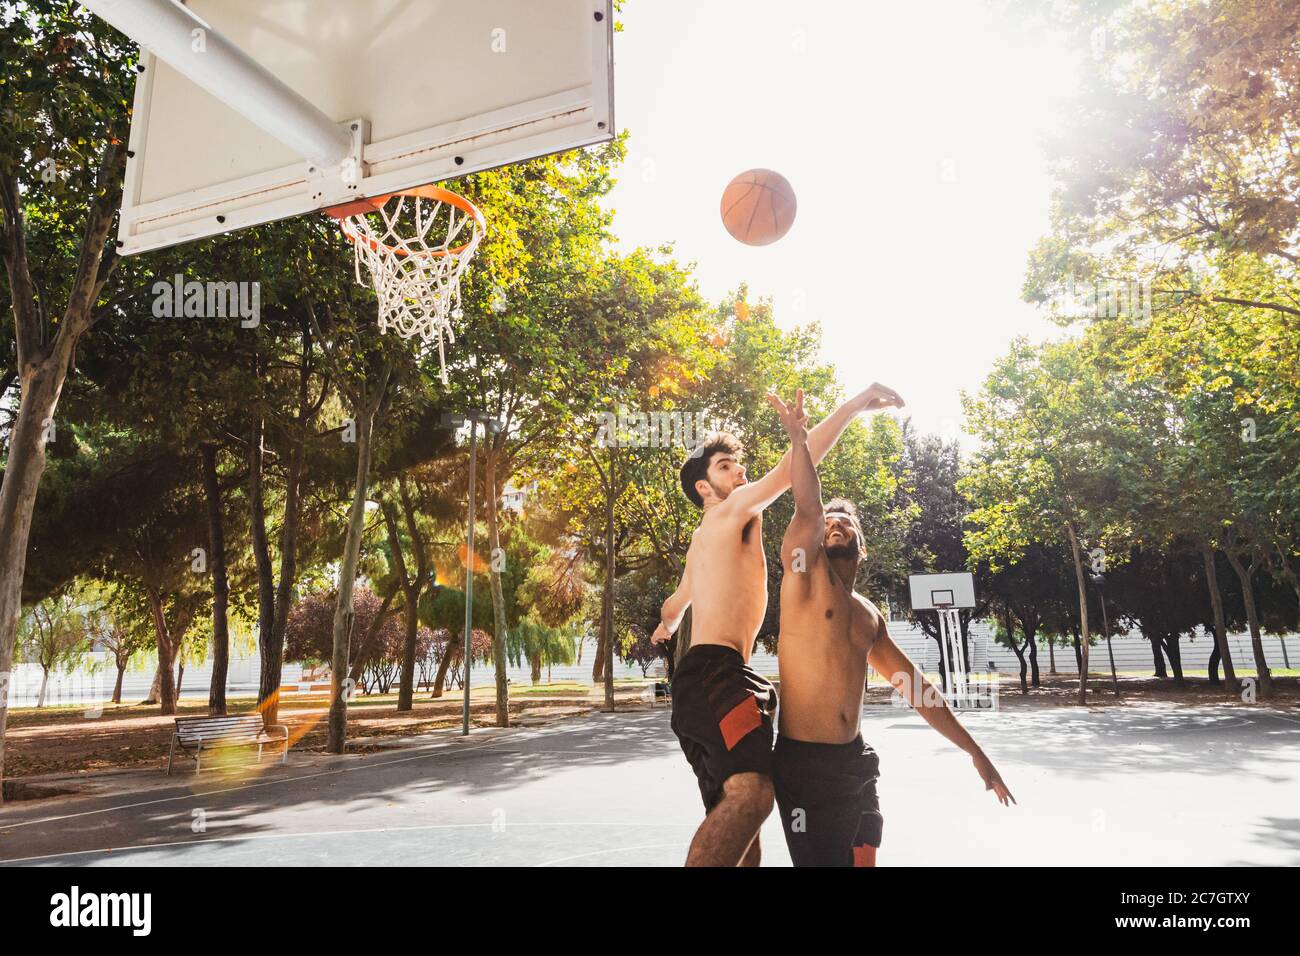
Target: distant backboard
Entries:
(931, 592)
(441, 88)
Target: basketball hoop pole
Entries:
(955, 663)
(171, 32)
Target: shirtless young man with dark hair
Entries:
(722, 708)
(824, 775)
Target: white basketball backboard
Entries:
(430, 90)
(930, 592)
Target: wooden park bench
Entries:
(200, 735)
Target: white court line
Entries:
(244, 838)
(442, 749)
(617, 849)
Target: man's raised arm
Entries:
(887, 659)
(808, 524)
(757, 495)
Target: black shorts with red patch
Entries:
(722, 716)
(828, 802)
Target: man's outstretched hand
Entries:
(992, 779)
(660, 635)
(793, 417)
(876, 396)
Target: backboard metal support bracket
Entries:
(338, 184)
(191, 47)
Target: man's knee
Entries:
(750, 791)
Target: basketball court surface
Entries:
(1135, 785)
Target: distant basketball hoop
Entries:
(946, 594)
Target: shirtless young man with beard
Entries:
(824, 775)
(722, 708)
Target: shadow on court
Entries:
(488, 782)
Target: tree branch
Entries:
(22, 292)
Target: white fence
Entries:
(87, 684)
(94, 679)
(1132, 653)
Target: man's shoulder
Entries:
(723, 519)
(872, 612)
(867, 603)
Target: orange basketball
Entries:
(758, 207)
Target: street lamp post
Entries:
(1100, 581)
(467, 643)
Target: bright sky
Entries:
(911, 133)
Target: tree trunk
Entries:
(220, 583)
(1024, 665)
(536, 668)
(1051, 656)
(1245, 575)
(44, 356)
(289, 530)
(1174, 653)
(1008, 624)
(155, 688)
(411, 591)
(1215, 660)
(117, 686)
(598, 665)
(45, 680)
(271, 664)
(453, 644)
(369, 642)
(1158, 656)
(273, 598)
(343, 610)
(166, 655)
(22, 475)
(1220, 620)
(1086, 638)
(494, 577)
(1034, 673)
(406, 678)
(421, 576)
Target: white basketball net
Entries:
(414, 250)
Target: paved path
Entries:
(1144, 784)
